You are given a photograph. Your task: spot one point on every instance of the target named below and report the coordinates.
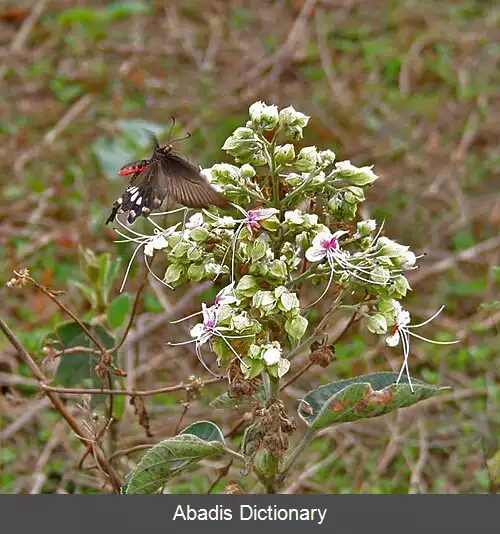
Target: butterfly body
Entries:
(166, 173)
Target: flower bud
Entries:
(388, 247)
(326, 157)
(307, 159)
(293, 133)
(284, 154)
(247, 171)
(225, 173)
(377, 324)
(272, 356)
(355, 175)
(365, 228)
(290, 117)
(263, 116)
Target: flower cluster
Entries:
(290, 222)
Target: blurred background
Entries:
(412, 87)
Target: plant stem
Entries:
(301, 445)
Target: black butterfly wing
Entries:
(145, 192)
(187, 186)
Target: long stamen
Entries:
(332, 271)
(132, 231)
(229, 345)
(129, 239)
(129, 266)
(182, 342)
(434, 341)
(185, 318)
(405, 342)
(200, 358)
(349, 265)
(429, 319)
(154, 275)
(353, 268)
(167, 212)
(235, 240)
(157, 226)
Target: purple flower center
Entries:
(252, 220)
(209, 325)
(329, 244)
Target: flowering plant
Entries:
(291, 225)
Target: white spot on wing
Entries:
(134, 196)
(132, 189)
(120, 200)
(139, 201)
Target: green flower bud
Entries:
(258, 159)
(264, 301)
(271, 223)
(355, 175)
(326, 157)
(247, 171)
(388, 247)
(173, 273)
(284, 154)
(377, 324)
(264, 116)
(288, 302)
(290, 117)
(225, 173)
(296, 327)
(293, 133)
(294, 179)
(365, 228)
(247, 286)
(401, 286)
(278, 269)
(259, 249)
(198, 234)
(194, 254)
(307, 159)
(196, 272)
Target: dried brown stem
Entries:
(59, 405)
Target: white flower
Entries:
(326, 245)
(294, 216)
(204, 332)
(401, 332)
(252, 221)
(157, 241)
(272, 356)
(195, 221)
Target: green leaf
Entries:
(171, 456)
(205, 430)
(361, 397)
(108, 270)
(78, 369)
(118, 310)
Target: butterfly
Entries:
(166, 173)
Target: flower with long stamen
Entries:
(204, 332)
(401, 332)
(224, 297)
(252, 221)
(326, 245)
(150, 243)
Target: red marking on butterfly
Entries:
(135, 167)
